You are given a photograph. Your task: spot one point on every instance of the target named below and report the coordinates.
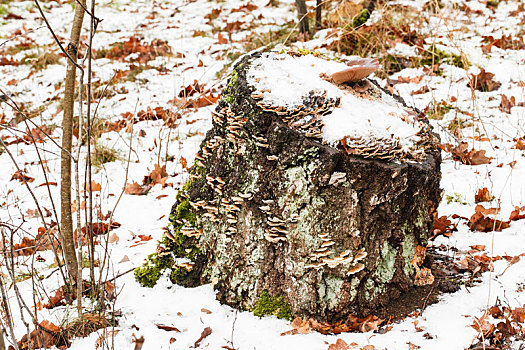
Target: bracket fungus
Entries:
(311, 191)
(358, 69)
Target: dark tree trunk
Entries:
(318, 14)
(303, 16)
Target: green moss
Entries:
(492, 3)
(149, 273)
(230, 94)
(178, 275)
(276, 306)
(361, 18)
(455, 197)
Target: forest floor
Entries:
(158, 70)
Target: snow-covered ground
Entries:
(202, 42)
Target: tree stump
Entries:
(306, 192)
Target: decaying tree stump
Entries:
(317, 198)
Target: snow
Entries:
(448, 321)
(286, 80)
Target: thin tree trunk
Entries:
(303, 16)
(67, 136)
(318, 14)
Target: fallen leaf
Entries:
(483, 81)
(184, 163)
(506, 104)
(113, 238)
(442, 226)
(135, 189)
(157, 176)
(206, 332)
(95, 187)
(144, 237)
(468, 157)
(340, 344)
(483, 195)
(479, 221)
(40, 338)
(167, 328)
(21, 177)
(515, 214)
(221, 39)
(206, 311)
(124, 259)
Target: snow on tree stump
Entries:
(306, 192)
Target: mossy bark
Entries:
(383, 208)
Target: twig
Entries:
(64, 51)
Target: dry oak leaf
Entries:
(479, 221)
(45, 336)
(135, 189)
(506, 104)
(157, 176)
(340, 344)
(472, 157)
(482, 325)
(442, 226)
(483, 195)
(515, 214)
(21, 177)
(520, 144)
(483, 81)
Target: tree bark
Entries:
(318, 14)
(269, 208)
(303, 16)
(66, 220)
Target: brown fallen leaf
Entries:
(113, 238)
(442, 226)
(167, 328)
(45, 336)
(468, 157)
(124, 259)
(206, 311)
(483, 195)
(157, 176)
(506, 104)
(206, 332)
(184, 163)
(95, 186)
(483, 81)
(21, 177)
(144, 237)
(422, 90)
(135, 189)
(515, 214)
(479, 221)
(520, 144)
(340, 344)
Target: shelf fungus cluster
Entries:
(325, 257)
(312, 189)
